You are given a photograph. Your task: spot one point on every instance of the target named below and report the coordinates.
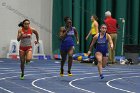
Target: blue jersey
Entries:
(68, 41)
(71, 32)
(102, 45)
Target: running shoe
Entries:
(101, 76)
(61, 72)
(22, 76)
(69, 73)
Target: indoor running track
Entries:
(42, 76)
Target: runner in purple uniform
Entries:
(101, 51)
(67, 34)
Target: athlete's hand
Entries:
(21, 34)
(86, 37)
(77, 42)
(111, 46)
(88, 53)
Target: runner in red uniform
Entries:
(25, 49)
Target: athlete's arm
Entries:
(76, 35)
(88, 35)
(19, 35)
(93, 42)
(62, 34)
(36, 34)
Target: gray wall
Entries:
(39, 12)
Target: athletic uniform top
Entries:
(93, 29)
(102, 45)
(26, 41)
(70, 34)
(68, 41)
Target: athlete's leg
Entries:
(105, 59)
(22, 59)
(64, 57)
(70, 60)
(28, 55)
(99, 58)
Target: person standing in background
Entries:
(94, 27)
(112, 27)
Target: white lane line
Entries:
(1, 61)
(6, 90)
(13, 77)
(123, 69)
(33, 84)
(8, 70)
(57, 72)
(20, 85)
(43, 70)
(17, 76)
(15, 72)
(52, 68)
(57, 62)
(5, 68)
(108, 84)
(70, 83)
(24, 75)
(28, 88)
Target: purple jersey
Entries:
(68, 41)
(102, 45)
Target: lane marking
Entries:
(45, 73)
(16, 72)
(14, 83)
(6, 90)
(17, 76)
(5, 68)
(108, 84)
(70, 83)
(33, 84)
(1, 61)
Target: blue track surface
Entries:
(42, 76)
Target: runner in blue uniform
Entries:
(101, 50)
(67, 34)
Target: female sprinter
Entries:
(101, 51)
(25, 50)
(67, 44)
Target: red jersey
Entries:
(28, 32)
(111, 24)
(26, 40)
